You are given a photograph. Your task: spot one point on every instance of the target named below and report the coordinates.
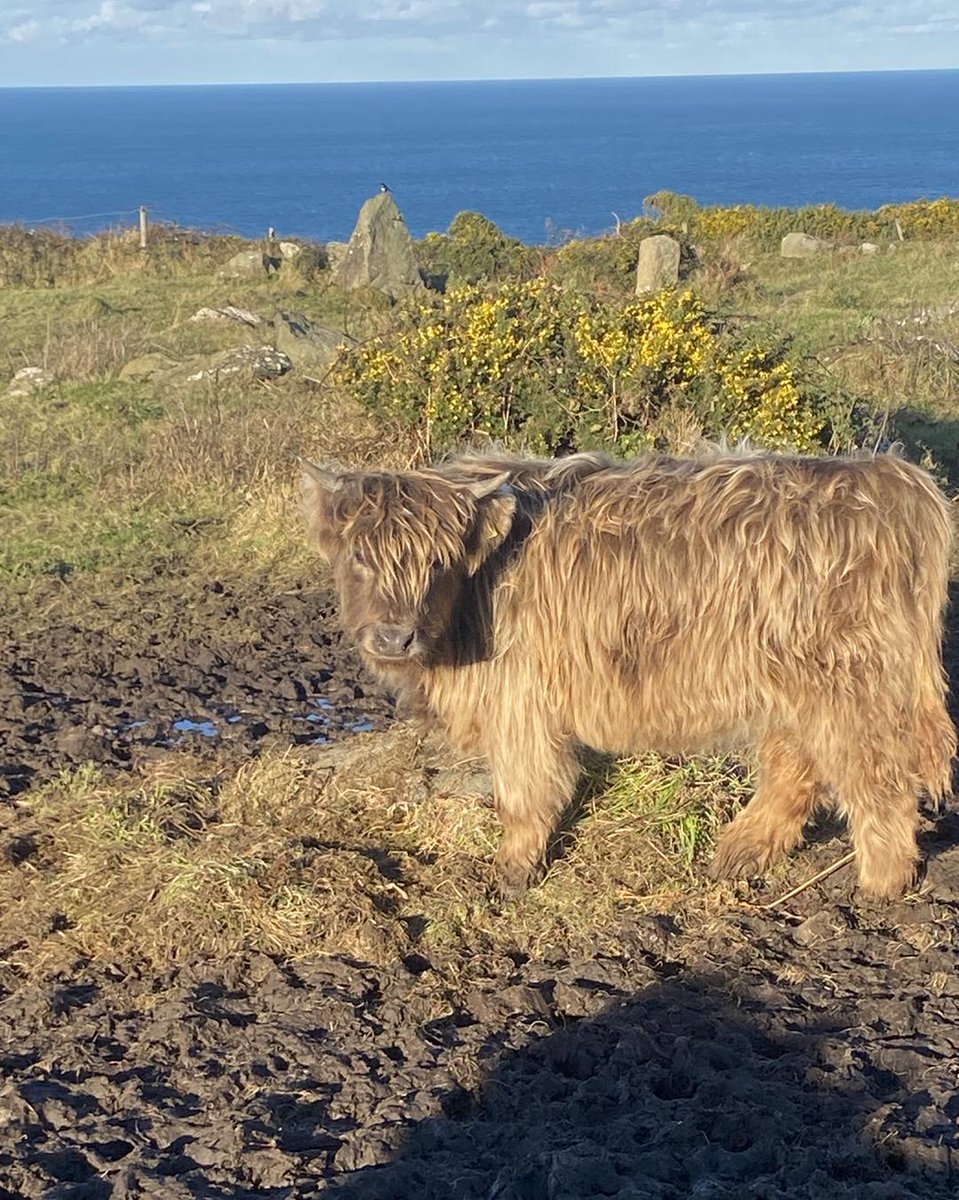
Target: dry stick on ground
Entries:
(801, 887)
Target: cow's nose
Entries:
(392, 641)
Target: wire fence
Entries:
(75, 218)
(92, 224)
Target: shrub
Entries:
(474, 250)
(35, 258)
(50, 258)
(766, 226)
(538, 365)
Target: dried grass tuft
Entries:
(364, 849)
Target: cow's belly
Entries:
(630, 720)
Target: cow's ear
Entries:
(317, 476)
(495, 510)
(319, 486)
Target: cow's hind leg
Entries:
(879, 795)
(772, 822)
(532, 784)
(867, 750)
(935, 742)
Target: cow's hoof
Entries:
(888, 886)
(514, 880)
(737, 860)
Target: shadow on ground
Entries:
(808, 1054)
(681, 1091)
(922, 433)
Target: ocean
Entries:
(544, 159)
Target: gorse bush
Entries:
(474, 250)
(532, 364)
(766, 226)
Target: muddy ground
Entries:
(167, 661)
(805, 1051)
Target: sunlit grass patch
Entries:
(680, 805)
(352, 850)
(52, 538)
(267, 856)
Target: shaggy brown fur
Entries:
(536, 476)
(794, 604)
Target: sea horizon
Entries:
(346, 83)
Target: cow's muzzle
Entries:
(397, 642)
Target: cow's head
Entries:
(401, 546)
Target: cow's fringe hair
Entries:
(791, 603)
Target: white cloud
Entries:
(330, 19)
(586, 36)
(113, 16)
(26, 31)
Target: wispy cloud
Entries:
(54, 41)
(65, 21)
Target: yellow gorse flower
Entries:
(529, 360)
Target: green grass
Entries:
(97, 471)
(843, 309)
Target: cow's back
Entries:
(682, 604)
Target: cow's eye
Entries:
(436, 566)
(360, 559)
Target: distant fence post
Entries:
(143, 227)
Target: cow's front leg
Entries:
(533, 782)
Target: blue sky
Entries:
(46, 42)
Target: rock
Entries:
(869, 248)
(289, 250)
(29, 380)
(817, 928)
(147, 366)
(245, 264)
(228, 312)
(801, 245)
(262, 362)
(380, 254)
(335, 253)
(308, 345)
(658, 265)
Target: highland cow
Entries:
(793, 605)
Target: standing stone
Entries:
(658, 265)
(800, 245)
(380, 253)
(335, 253)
